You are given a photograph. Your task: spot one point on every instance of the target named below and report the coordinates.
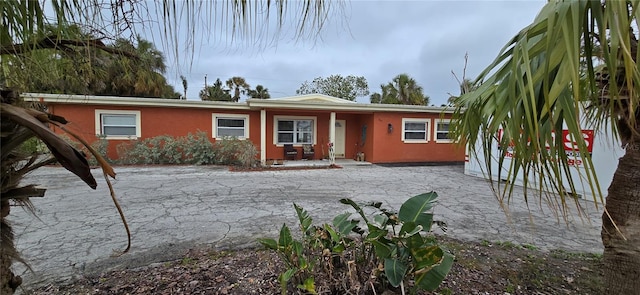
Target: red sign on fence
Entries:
(570, 146)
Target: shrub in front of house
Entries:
(162, 149)
(191, 149)
(33, 146)
(233, 151)
(197, 149)
(165, 149)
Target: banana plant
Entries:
(400, 240)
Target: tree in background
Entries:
(385, 97)
(239, 86)
(376, 97)
(215, 92)
(576, 63)
(260, 92)
(184, 86)
(136, 71)
(349, 87)
(466, 86)
(75, 70)
(401, 90)
(142, 76)
(22, 32)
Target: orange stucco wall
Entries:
(155, 121)
(379, 146)
(366, 146)
(389, 147)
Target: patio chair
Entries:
(290, 152)
(308, 152)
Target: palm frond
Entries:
(180, 22)
(540, 85)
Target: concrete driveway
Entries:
(170, 209)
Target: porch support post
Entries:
(332, 138)
(263, 136)
(332, 127)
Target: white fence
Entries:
(605, 154)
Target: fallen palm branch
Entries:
(107, 171)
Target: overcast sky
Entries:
(375, 39)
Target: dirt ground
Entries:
(480, 268)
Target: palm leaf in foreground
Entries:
(19, 124)
(545, 80)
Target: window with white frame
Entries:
(415, 130)
(230, 125)
(442, 130)
(294, 130)
(117, 124)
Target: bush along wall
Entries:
(191, 149)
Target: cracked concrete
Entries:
(170, 209)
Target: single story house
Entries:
(382, 133)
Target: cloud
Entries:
(377, 40)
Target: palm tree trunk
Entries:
(622, 249)
(8, 281)
(236, 96)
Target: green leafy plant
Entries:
(198, 149)
(395, 249)
(233, 151)
(33, 146)
(300, 256)
(191, 149)
(101, 145)
(400, 240)
(164, 149)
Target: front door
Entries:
(341, 127)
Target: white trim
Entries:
(417, 120)
(435, 131)
(275, 127)
(263, 136)
(332, 127)
(98, 122)
(131, 101)
(294, 103)
(314, 98)
(214, 123)
(353, 107)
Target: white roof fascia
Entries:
(250, 104)
(132, 101)
(313, 96)
(353, 107)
